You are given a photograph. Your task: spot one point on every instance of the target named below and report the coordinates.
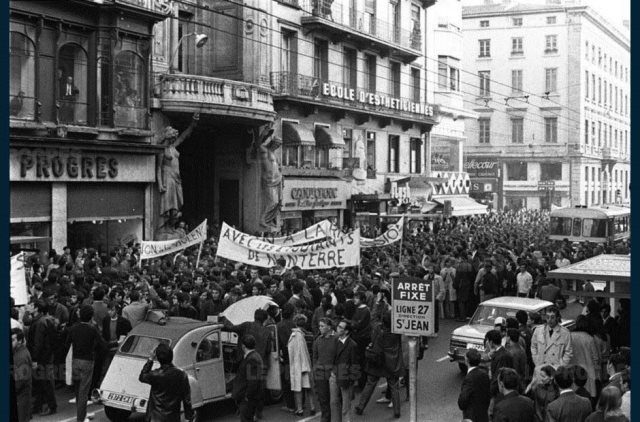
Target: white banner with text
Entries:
(340, 251)
(392, 235)
(154, 249)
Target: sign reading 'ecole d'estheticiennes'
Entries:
(350, 94)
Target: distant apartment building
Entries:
(550, 85)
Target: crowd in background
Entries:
(89, 299)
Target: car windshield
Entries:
(141, 345)
(486, 315)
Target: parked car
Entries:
(471, 335)
(202, 349)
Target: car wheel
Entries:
(463, 368)
(116, 415)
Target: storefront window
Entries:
(517, 171)
(104, 235)
(550, 171)
(22, 76)
(72, 84)
(29, 236)
(130, 91)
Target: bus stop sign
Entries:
(412, 306)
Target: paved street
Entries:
(438, 387)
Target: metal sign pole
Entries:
(413, 378)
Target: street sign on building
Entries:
(546, 185)
(412, 306)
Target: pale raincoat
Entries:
(299, 361)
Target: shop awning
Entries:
(461, 205)
(294, 134)
(324, 137)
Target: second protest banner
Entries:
(340, 251)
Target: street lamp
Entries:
(201, 39)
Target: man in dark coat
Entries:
(500, 358)
(463, 283)
(474, 395)
(114, 327)
(568, 407)
(169, 387)
(263, 338)
(346, 370)
(389, 347)
(325, 347)
(247, 385)
(513, 407)
(41, 339)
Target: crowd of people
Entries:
(333, 326)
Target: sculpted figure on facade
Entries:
(168, 172)
(271, 179)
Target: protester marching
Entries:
(332, 290)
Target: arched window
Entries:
(129, 90)
(71, 83)
(22, 53)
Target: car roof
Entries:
(524, 303)
(174, 329)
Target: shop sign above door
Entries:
(58, 165)
(314, 194)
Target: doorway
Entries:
(230, 202)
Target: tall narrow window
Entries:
(394, 19)
(593, 87)
(517, 135)
(586, 132)
(347, 136)
(551, 129)
(586, 84)
(22, 74)
(551, 44)
(443, 73)
(394, 154)
(415, 85)
(394, 69)
(185, 26)
(516, 46)
(517, 21)
(369, 24)
(454, 79)
(130, 108)
(371, 155)
(370, 73)
(350, 68)
(416, 164)
(551, 20)
(484, 76)
(485, 48)
(416, 28)
(516, 81)
(72, 79)
(551, 79)
(484, 24)
(484, 131)
(321, 59)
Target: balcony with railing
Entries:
(223, 97)
(341, 98)
(588, 150)
(364, 29)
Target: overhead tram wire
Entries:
(560, 124)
